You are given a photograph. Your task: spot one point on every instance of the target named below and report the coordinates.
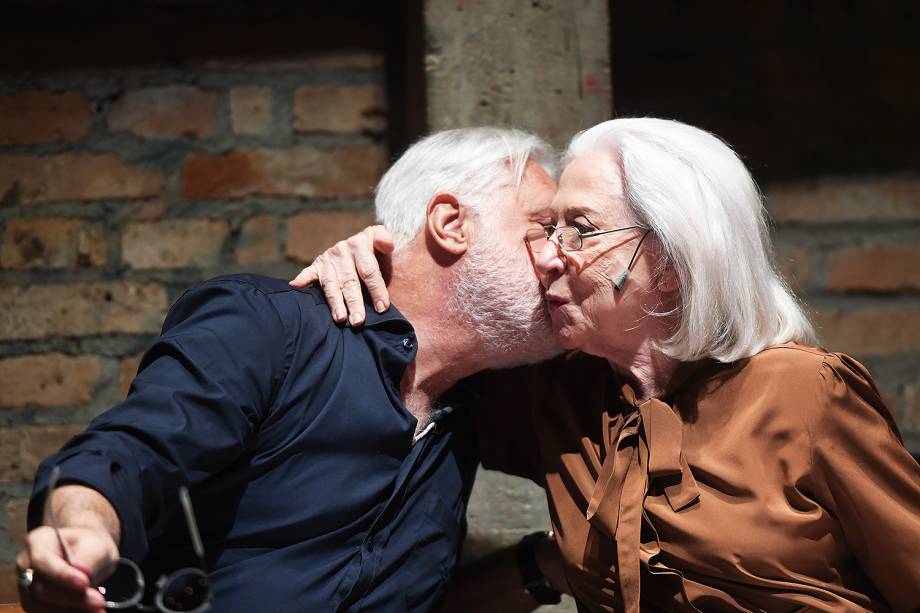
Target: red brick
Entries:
(26, 179)
(250, 109)
(349, 171)
(870, 330)
(336, 60)
(16, 511)
(173, 243)
(53, 243)
(793, 265)
(34, 118)
(48, 380)
(309, 234)
(128, 369)
(81, 309)
(845, 199)
(334, 108)
(22, 449)
(877, 268)
(175, 111)
(258, 241)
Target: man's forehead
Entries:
(534, 172)
(537, 189)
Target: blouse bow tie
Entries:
(647, 451)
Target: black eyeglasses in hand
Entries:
(122, 583)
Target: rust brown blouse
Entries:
(778, 483)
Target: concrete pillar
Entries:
(541, 65)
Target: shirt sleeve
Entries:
(868, 480)
(523, 412)
(200, 393)
(503, 416)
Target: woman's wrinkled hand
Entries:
(344, 267)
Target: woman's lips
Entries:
(554, 303)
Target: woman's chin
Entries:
(567, 336)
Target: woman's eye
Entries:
(582, 227)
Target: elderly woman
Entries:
(699, 451)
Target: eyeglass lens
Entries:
(567, 237)
(120, 582)
(537, 238)
(185, 590)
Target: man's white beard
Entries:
(495, 296)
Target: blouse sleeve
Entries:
(867, 478)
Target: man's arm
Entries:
(201, 393)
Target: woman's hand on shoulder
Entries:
(344, 267)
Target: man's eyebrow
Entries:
(530, 210)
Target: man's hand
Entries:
(89, 535)
(341, 270)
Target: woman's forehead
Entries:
(591, 183)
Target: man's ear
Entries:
(446, 225)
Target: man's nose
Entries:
(549, 261)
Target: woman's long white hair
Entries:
(703, 206)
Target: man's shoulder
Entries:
(263, 284)
(250, 297)
(284, 297)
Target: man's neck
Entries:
(447, 350)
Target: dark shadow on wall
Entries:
(52, 36)
(798, 88)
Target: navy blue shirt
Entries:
(291, 434)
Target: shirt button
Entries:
(408, 344)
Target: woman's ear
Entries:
(668, 281)
(446, 225)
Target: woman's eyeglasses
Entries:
(121, 581)
(569, 238)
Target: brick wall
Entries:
(850, 246)
(121, 186)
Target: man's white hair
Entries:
(474, 164)
(703, 206)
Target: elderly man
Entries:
(324, 473)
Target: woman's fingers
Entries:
(383, 240)
(369, 267)
(329, 281)
(305, 277)
(345, 267)
(369, 271)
